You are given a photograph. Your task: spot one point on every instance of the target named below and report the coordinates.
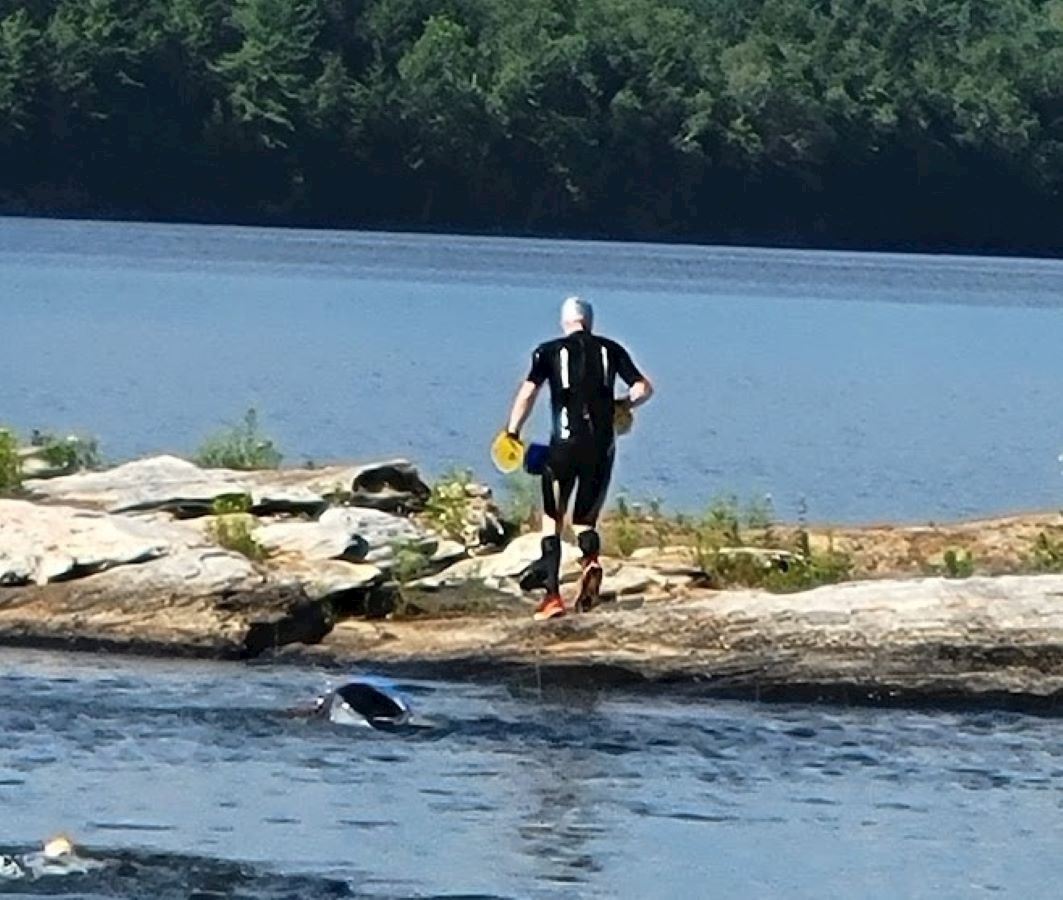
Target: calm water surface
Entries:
(873, 386)
(186, 777)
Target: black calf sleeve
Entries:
(551, 547)
(590, 544)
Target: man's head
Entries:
(576, 314)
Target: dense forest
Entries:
(918, 123)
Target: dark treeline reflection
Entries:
(934, 123)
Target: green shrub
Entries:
(411, 560)
(10, 464)
(760, 513)
(521, 502)
(721, 522)
(69, 454)
(233, 527)
(621, 533)
(241, 446)
(805, 573)
(231, 504)
(235, 531)
(725, 526)
(1047, 554)
(448, 506)
(957, 564)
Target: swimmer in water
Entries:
(56, 857)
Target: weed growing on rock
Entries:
(805, 573)
(410, 562)
(448, 507)
(622, 533)
(737, 547)
(1047, 554)
(10, 464)
(233, 526)
(521, 502)
(69, 454)
(957, 564)
(241, 446)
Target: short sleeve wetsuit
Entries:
(581, 369)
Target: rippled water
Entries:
(188, 780)
(873, 386)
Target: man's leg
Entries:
(545, 572)
(590, 498)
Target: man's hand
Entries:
(640, 392)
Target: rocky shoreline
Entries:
(352, 565)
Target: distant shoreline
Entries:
(751, 241)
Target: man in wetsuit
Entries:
(582, 369)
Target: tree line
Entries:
(919, 123)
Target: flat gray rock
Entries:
(323, 578)
(351, 533)
(39, 544)
(183, 488)
(499, 570)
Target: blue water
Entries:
(508, 792)
(870, 386)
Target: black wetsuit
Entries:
(582, 369)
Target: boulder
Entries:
(39, 544)
(321, 579)
(355, 534)
(184, 489)
(311, 541)
(500, 570)
(393, 486)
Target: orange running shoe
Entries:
(551, 608)
(590, 583)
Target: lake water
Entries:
(188, 782)
(872, 386)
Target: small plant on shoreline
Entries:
(957, 564)
(448, 507)
(69, 454)
(410, 562)
(241, 446)
(622, 534)
(521, 503)
(10, 464)
(805, 573)
(1047, 554)
(233, 526)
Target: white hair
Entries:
(576, 309)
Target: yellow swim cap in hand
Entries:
(507, 453)
(622, 417)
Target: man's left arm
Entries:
(640, 388)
